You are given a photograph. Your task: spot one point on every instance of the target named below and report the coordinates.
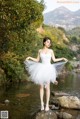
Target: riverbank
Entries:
(24, 101)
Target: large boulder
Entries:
(46, 115)
(72, 102)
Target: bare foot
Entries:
(47, 108)
(42, 106)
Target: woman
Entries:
(43, 72)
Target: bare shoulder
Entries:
(39, 50)
(51, 50)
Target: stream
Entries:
(21, 100)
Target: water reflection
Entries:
(24, 98)
(70, 84)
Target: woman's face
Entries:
(47, 43)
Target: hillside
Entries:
(74, 38)
(60, 42)
(74, 32)
(63, 17)
(58, 36)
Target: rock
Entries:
(64, 115)
(46, 115)
(59, 93)
(78, 117)
(7, 101)
(22, 95)
(54, 100)
(72, 102)
(55, 107)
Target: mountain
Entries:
(63, 17)
(77, 12)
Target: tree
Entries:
(74, 39)
(18, 21)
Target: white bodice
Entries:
(45, 58)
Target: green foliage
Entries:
(2, 76)
(74, 32)
(19, 38)
(68, 66)
(74, 35)
(12, 66)
(74, 39)
(18, 14)
(55, 34)
(59, 44)
(18, 22)
(64, 52)
(15, 18)
(62, 29)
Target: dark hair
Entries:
(45, 39)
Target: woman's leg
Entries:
(42, 96)
(47, 96)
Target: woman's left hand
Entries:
(27, 58)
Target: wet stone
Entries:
(7, 101)
(53, 107)
(46, 115)
(64, 115)
(59, 93)
(72, 102)
(78, 117)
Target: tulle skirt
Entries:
(42, 73)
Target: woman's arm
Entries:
(58, 59)
(34, 59)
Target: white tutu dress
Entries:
(43, 72)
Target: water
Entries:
(69, 83)
(24, 98)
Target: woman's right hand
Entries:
(65, 59)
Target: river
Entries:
(21, 100)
